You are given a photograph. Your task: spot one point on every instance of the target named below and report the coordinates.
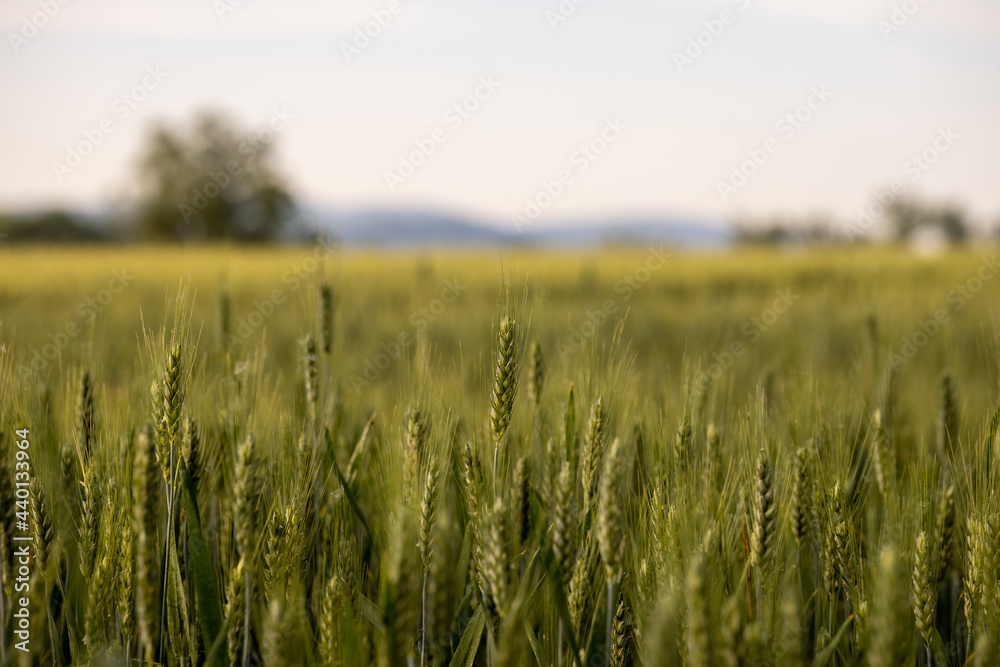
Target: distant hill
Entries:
(418, 228)
(396, 229)
(405, 228)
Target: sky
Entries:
(565, 108)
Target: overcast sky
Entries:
(670, 123)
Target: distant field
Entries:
(695, 305)
(776, 350)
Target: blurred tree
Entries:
(52, 227)
(209, 182)
(906, 216)
(808, 230)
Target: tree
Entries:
(209, 182)
(907, 216)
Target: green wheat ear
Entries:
(90, 513)
(415, 448)
(235, 612)
(536, 374)
(495, 562)
(310, 376)
(699, 646)
(764, 515)
(924, 586)
(505, 381)
(564, 525)
(246, 497)
(731, 631)
(682, 444)
(610, 536)
(621, 635)
(225, 330)
(888, 644)
(327, 622)
(192, 450)
(713, 456)
(799, 506)
(428, 507)
(41, 526)
(145, 490)
(85, 425)
(593, 451)
(944, 530)
(168, 397)
(326, 316)
(125, 591)
(663, 636)
(947, 434)
(883, 458)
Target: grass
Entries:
(256, 457)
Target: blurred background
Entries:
(557, 122)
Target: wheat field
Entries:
(631, 456)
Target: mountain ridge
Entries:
(413, 227)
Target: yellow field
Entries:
(696, 305)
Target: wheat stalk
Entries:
(428, 506)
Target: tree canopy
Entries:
(209, 181)
(907, 216)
